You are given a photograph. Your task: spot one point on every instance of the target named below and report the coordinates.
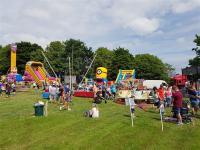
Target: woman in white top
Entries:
(94, 111)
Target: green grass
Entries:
(70, 130)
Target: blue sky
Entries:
(165, 28)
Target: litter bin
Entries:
(39, 109)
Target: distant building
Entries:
(193, 72)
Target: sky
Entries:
(165, 28)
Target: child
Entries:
(13, 88)
(67, 100)
(8, 89)
(1, 88)
(132, 106)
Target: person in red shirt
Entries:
(177, 103)
(161, 95)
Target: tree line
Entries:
(58, 52)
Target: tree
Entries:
(24, 51)
(4, 59)
(81, 55)
(122, 59)
(169, 69)
(196, 60)
(55, 55)
(103, 59)
(150, 67)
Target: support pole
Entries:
(49, 64)
(88, 68)
(70, 83)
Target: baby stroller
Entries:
(99, 98)
(186, 116)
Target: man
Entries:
(177, 103)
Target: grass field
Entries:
(70, 130)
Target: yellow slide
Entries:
(31, 72)
(41, 71)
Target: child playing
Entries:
(132, 107)
(67, 100)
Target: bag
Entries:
(87, 113)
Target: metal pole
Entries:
(49, 64)
(88, 68)
(72, 67)
(70, 86)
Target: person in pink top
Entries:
(168, 94)
(95, 90)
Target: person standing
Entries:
(113, 89)
(8, 89)
(52, 92)
(161, 95)
(177, 103)
(168, 94)
(194, 99)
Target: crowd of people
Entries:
(7, 88)
(173, 97)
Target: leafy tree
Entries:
(197, 42)
(4, 59)
(169, 69)
(150, 67)
(196, 60)
(55, 55)
(24, 51)
(81, 54)
(122, 59)
(103, 59)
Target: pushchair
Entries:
(99, 98)
(186, 116)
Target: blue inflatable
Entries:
(45, 95)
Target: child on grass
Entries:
(132, 106)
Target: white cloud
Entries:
(182, 6)
(139, 25)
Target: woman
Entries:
(168, 94)
(94, 111)
(194, 99)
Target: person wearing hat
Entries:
(52, 92)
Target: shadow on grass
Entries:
(125, 115)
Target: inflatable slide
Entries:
(38, 72)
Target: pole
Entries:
(70, 86)
(131, 116)
(72, 58)
(88, 68)
(161, 116)
(49, 64)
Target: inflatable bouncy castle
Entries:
(101, 75)
(38, 73)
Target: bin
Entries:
(39, 109)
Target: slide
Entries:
(125, 75)
(42, 73)
(39, 75)
(32, 73)
(38, 72)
